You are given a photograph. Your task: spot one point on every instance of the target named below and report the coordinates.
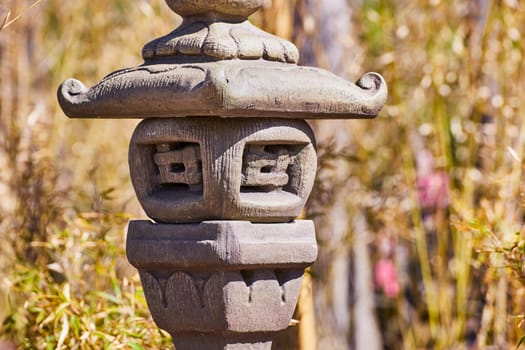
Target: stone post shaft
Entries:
(222, 163)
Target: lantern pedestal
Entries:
(222, 283)
(207, 341)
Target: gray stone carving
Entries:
(238, 40)
(233, 88)
(223, 181)
(221, 244)
(221, 9)
(222, 277)
(223, 163)
(230, 276)
(179, 163)
(227, 88)
(218, 64)
(265, 166)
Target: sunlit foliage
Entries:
(439, 172)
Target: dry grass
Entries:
(457, 100)
(456, 92)
(455, 113)
(55, 170)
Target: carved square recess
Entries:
(179, 163)
(269, 167)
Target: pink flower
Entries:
(385, 276)
(433, 190)
(432, 185)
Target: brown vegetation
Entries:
(436, 179)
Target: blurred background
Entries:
(419, 212)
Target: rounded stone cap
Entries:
(227, 8)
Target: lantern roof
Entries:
(216, 63)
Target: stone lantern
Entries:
(222, 163)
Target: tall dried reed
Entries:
(440, 172)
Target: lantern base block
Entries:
(222, 284)
(214, 341)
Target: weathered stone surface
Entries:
(194, 169)
(205, 153)
(229, 341)
(221, 40)
(214, 245)
(218, 64)
(225, 88)
(222, 301)
(223, 9)
(221, 276)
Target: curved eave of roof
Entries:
(231, 88)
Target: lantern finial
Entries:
(218, 30)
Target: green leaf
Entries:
(108, 297)
(135, 346)
(116, 288)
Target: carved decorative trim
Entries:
(258, 300)
(221, 40)
(266, 167)
(197, 284)
(194, 169)
(179, 163)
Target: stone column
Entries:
(222, 163)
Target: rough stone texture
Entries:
(225, 284)
(236, 301)
(215, 8)
(194, 169)
(221, 276)
(223, 244)
(237, 40)
(218, 64)
(179, 163)
(227, 88)
(229, 341)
